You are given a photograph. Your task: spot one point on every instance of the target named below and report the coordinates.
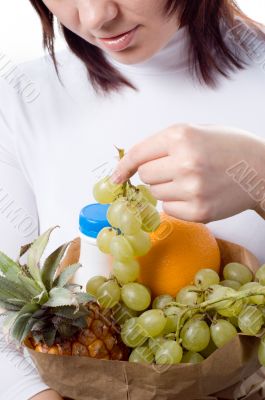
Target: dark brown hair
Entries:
(206, 21)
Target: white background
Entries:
(20, 33)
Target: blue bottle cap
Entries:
(93, 218)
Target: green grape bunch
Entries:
(132, 215)
(203, 317)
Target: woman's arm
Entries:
(18, 225)
(200, 173)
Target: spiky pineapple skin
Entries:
(100, 339)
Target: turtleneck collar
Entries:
(171, 58)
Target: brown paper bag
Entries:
(82, 378)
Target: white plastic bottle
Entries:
(91, 220)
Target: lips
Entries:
(120, 42)
(116, 36)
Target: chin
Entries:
(132, 56)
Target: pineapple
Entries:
(47, 313)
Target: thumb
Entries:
(125, 169)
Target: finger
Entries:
(171, 191)
(157, 171)
(149, 149)
(184, 210)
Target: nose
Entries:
(94, 14)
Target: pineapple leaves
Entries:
(10, 290)
(51, 264)
(67, 331)
(61, 297)
(39, 325)
(49, 336)
(6, 306)
(70, 312)
(73, 287)
(35, 253)
(66, 275)
(10, 318)
(23, 322)
(83, 298)
(22, 327)
(24, 249)
(41, 301)
(79, 323)
(9, 268)
(30, 285)
(41, 298)
(16, 302)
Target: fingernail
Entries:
(116, 177)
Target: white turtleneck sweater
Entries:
(54, 148)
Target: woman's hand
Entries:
(200, 173)
(47, 395)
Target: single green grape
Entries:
(259, 299)
(222, 332)
(215, 292)
(115, 211)
(195, 335)
(161, 301)
(234, 321)
(226, 308)
(250, 320)
(172, 314)
(131, 333)
(260, 275)
(155, 343)
(142, 355)
(261, 351)
(150, 217)
(232, 284)
(121, 249)
(152, 322)
(104, 239)
(237, 272)
(140, 242)
(130, 221)
(144, 190)
(172, 310)
(136, 296)
(94, 283)
(126, 272)
(262, 309)
(171, 324)
(210, 349)
(189, 295)
(108, 294)
(232, 311)
(105, 191)
(205, 278)
(122, 313)
(192, 358)
(169, 352)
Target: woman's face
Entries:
(98, 20)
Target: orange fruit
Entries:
(179, 249)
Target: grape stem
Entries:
(210, 318)
(128, 182)
(210, 304)
(170, 336)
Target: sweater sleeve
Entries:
(19, 378)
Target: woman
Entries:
(175, 66)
